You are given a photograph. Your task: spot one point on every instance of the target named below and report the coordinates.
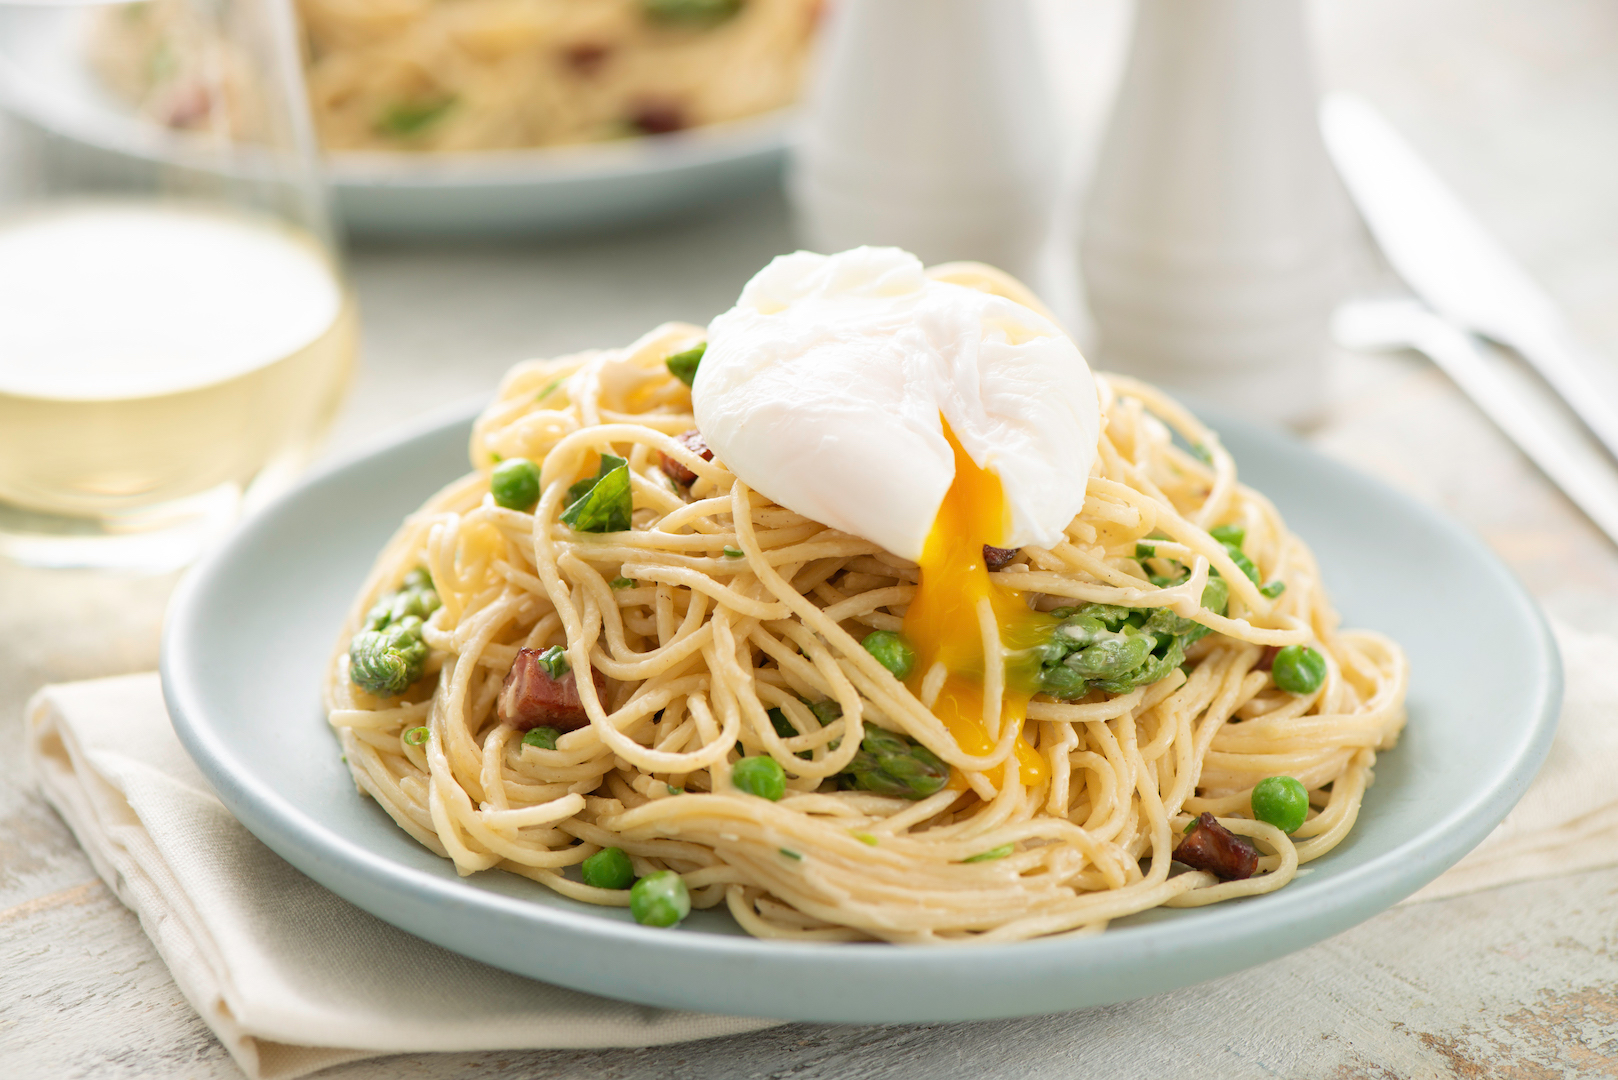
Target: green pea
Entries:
(1229, 534)
(608, 869)
(1298, 669)
(683, 365)
(892, 651)
(1281, 801)
(1216, 595)
(515, 484)
(542, 737)
(660, 899)
(761, 775)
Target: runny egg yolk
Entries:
(945, 626)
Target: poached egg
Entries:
(927, 417)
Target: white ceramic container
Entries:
(930, 127)
(1217, 238)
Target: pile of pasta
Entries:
(424, 75)
(719, 606)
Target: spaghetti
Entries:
(717, 606)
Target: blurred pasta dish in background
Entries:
(466, 75)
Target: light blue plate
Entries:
(250, 631)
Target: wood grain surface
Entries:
(1514, 101)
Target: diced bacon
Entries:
(1212, 847)
(694, 442)
(1266, 659)
(658, 117)
(998, 558)
(586, 58)
(530, 698)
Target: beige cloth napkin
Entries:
(291, 977)
(294, 979)
(1568, 819)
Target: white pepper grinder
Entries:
(929, 126)
(1217, 238)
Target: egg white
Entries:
(824, 386)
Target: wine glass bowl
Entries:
(175, 326)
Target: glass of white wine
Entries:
(175, 327)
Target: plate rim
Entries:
(408, 898)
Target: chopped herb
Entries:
(623, 583)
(416, 736)
(1144, 550)
(1274, 588)
(1243, 563)
(550, 388)
(993, 853)
(691, 12)
(683, 365)
(866, 838)
(404, 119)
(674, 790)
(604, 503)
(495, 456)
(791, 854)
(582, 488)
(732, 553)
(554, 661)
(1202, 454)
(1229, 534)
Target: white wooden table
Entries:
(1515, 101)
